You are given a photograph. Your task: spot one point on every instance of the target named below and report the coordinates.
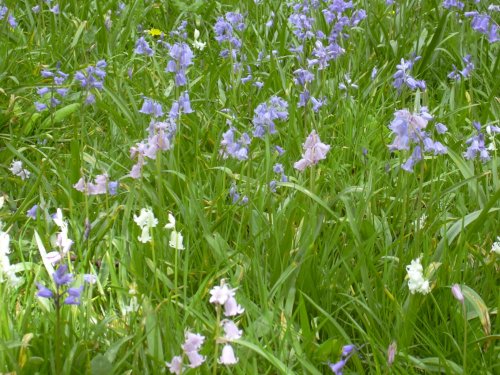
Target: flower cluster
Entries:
(236, 149)
(181, 57)
(482, 23)
(465, 72)
(326, 47)
(196, 43)
(4, 11)
(53, 94)
(62, 242)
(160, 135)
(190, 348)
(146, 220)
(236, 197)
(92, 78)
(278, 169)
(142, 47)
(6, 269)
(409, 129)
(176, 237)
(17, 170)
(225, 31)
(476, 143)
(223, 295)
(495, 248)
(266, 114)
(447, 4)
(403, 76)
(338, 367)
(54, 9)
(314, 151)
(416, 281)
(62, 279)
(102, 185)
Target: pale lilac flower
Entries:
(220, 294)
(150, 107)
(17, 170)
(391, 353)
(175, 366)
(231, 331)
(195, 359)
(55, 9)
(476, 145)
(236, 149)
(90, 278)
(32, 212)
(457, 293)
(314, 151)
(441, 128)
(231, 307)
(227, 357)
(193, 342)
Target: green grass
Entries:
(319, 264)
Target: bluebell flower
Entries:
(447, 4)
(324, 54)
(303, 76)
(236, 197)
(338, 367)
(279, 149)
(441, 128)
(55, 9)
(43, 291)
(481, 23)
(150, 107)
(409, 130)
(181, 57)
(32, 212)
(402, 76)
(185, 103)
(142, 47)
(40, 106)
(231, 147)
(476, 145)
(61, 276)
(266, 114)
(74, 295)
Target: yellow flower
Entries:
(154, 32)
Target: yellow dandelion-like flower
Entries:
(154, 32)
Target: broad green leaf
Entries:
(476, 308)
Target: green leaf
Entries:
(60, 114)
(100, 365)
(476, 307)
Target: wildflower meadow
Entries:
(249, 187)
